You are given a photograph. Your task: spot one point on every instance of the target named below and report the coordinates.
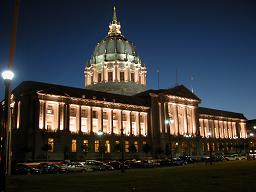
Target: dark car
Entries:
(117, 165)
(46, 168)
(23, 169)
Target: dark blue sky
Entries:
(212, 40)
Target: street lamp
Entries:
(122, 149)
(101, 147)
(5, 159)
(251, 145)
(188, 136)
(210, 147)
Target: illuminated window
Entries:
(126, 146)
(51, 143)
(84, 127)
(96, 146)
(49, 109)
(51, 116)
(110, 76)
(132, 77)
(121, 76)
(115, 116)
(83, 113)
(18, 117)
(144, 142)
(99, 77)
(73, 146)
(107, 146)
(85, 145)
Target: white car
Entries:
(76, 167)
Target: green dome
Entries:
(114, 48)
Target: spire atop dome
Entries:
(114, 18)
(114, 27)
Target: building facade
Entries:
(115, 112)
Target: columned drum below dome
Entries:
(115, 66)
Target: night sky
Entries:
(212, 41)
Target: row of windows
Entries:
(97, 146)
(84, 113)
(110, 77)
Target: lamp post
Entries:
(5, 159)
(251, 145)
(100, 134)
(122, 149)
(210, 147)
(188, 136)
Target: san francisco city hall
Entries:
(114, 110)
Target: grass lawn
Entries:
(224, 176)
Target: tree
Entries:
(132, 149)
(168, 150)
(146, 148)
(46, 147)
(117, 147)
(85, 148)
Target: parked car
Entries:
(76, 167)
(50, 168)
(178, 162)
(234, 157)
(23, 169)
(97, 165)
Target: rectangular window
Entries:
(83, 113)
(85, 145)
(121, 76)
(49, 109)
(124, 117)
(110, 76)
(115, 117)
(105, 115)
(51, 143)
(126, 146)
(107, 146)
(141, 118)
(94, 114)
(99, 77)
(52, 116)
(73, 146)
(96, 146)
(132, 77)
(132, 117)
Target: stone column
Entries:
(111, 121)
(193, 121)
(166, 114)
(89, 119)
(101, 119)
(130, 118)
(79, 121)
(185, 120)
(139, 124)
(176, 120)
